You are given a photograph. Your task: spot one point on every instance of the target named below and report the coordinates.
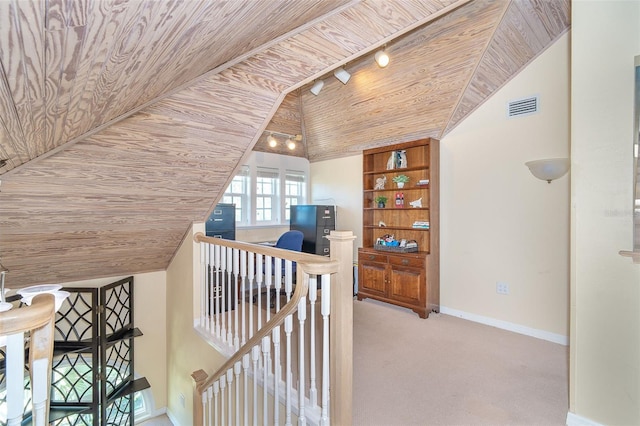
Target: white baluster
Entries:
(288, 278)
(205, 407)
(230, 396)
(259, 278)
(243, 288)
(255, 356)
(237, 368)
(204, 251)
(245, 369)
(223, 386)
(325, 308)
(288, 326)
(277, 373)
(313, 296)
(268, 274)
(302, 316)
(266, 347)
(212, 285)
(223, 293)
(230, 269)
(234, 299)
(40, 389)
(218, 288)
(252, 276)
(278, 279)
(216, 399)
(15, 378)
(209, 396)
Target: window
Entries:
(294, 191)
(238, 193)
(266, 195)
(266, 187)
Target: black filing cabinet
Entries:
(222, 222)
(315, 222)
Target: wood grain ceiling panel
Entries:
(209, 76)
(528, 27)
(429, 68)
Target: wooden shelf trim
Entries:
(399, 171)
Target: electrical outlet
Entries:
(502, 288)
(182, 402)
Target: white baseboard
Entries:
(576, 420)
(173, 419)
(509, 326)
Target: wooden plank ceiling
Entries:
(122, 121)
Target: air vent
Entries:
(521, 107)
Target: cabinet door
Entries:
(373, 278)
(407, 285)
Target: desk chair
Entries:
(290, 240)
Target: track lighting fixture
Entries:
(291, 144)
(272, 141)
(342, 75)
(382, 59)
(317, 87)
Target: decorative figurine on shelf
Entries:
(391, 162)
(401, 159)
(381, 182)
(416, 203)
(400, 180)
(381, 224)
(381, 201)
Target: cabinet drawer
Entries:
(414, 262)
(372, 257)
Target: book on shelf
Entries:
(421, 224)
(423, 182)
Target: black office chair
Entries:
(290, 240)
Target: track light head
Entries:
(382, 59)
(342, 75)
(272, 141)
(291, 144)
(317, 87)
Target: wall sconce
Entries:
(382, 59)
(342, 75)
(317, 87)
(548, 169)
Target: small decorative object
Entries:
(400, 180)
(401, 159)
(399, 200)
(381, 201)
(381, 224)
(381, 182)
(416, 203)
(391, 162)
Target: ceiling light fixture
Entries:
(291, 144)
(548, 169)
(317, 87)
(272, 141)
(382, 59)
(342, 75)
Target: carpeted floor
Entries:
(449, 371)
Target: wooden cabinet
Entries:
(408, 279)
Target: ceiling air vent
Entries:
(524, 106)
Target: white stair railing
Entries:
(278, 344)
(32, 327)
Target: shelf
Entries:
(406, 188)
(406, 169)
(399, 228)
(395, 208)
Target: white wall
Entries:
(605, 287)
(339, 182)
(498, 222)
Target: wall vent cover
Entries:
(524, 106)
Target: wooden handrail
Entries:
(27, 318)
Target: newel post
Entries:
(341, 325)
(199, 377)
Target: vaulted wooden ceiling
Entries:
(122, 121)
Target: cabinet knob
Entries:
(405, 262)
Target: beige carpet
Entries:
(449, 371)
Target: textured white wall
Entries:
(605, 302)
